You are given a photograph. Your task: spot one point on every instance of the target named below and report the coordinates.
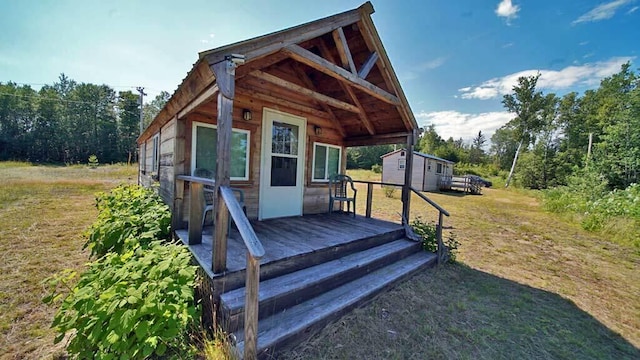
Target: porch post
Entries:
(224, 72)
(408, 169)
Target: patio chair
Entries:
(338, 191)
(209, 192)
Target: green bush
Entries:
(127, 216)
(428, 232)
(129, 306)
(389, 190)
(376, 168)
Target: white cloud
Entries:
(602, 12)
(432, 64)
(507, 45)
(507, 10)
(633, 9)
(583, 43)
(463, 125)
(583, 75)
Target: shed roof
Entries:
(427, 156)
(341, 62)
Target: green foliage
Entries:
(429, 234)
(130, 306)
(376, 168)
(364, 157)
(128, 216)
(389, 191)
(93, 161)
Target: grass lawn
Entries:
(527, 284)
(44, 210)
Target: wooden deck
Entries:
(287, 238)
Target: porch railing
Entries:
(228, 206)
(441, 211)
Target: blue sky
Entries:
(454, 59)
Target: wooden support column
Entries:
(369, 198)
(251, 307)
(406, 191)
(196, 207)
(225, 79)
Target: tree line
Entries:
(67, 121)
(550, 139)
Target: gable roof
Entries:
(427, 156)
(305, 44)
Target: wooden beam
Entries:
(307, 57)
(251, 93)
(368, 65)
(372, 39)
(309, 83)
(408, 175)
(324, 50)
(205, 96)
(271, 43)
(343, 50)
(302, 90)
(259, 64)
(392, 138)
(225, 78)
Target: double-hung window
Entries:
(204, 146)
(326, 161)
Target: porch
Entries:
(286, 240)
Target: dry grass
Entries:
(528, 286)
(44, 210)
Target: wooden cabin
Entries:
(271, 118)
(427, 172)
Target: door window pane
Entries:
(284, 139)
(283, 171)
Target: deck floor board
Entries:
(287, 237)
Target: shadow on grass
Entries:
(456, 312)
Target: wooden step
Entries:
(291, 289)
(303, 320)
(231, 281)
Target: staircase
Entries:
(298, 297)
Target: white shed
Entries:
(427, 169)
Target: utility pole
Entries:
(142, 94)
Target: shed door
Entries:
(282, 179)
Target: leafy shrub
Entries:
(376, 168)
(429, 234)
(127, 216)
(388, 191)
(129, 305)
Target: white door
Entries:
(283, 150)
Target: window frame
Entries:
(326, 161)
(194, 138)
(155, 159)
(402, 163)
(439, 167)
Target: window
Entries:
(429, 165)
(326, 161)
(402, 163)
(155, 160)
(439, 168)
(204, 147)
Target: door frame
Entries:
(265, 173)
